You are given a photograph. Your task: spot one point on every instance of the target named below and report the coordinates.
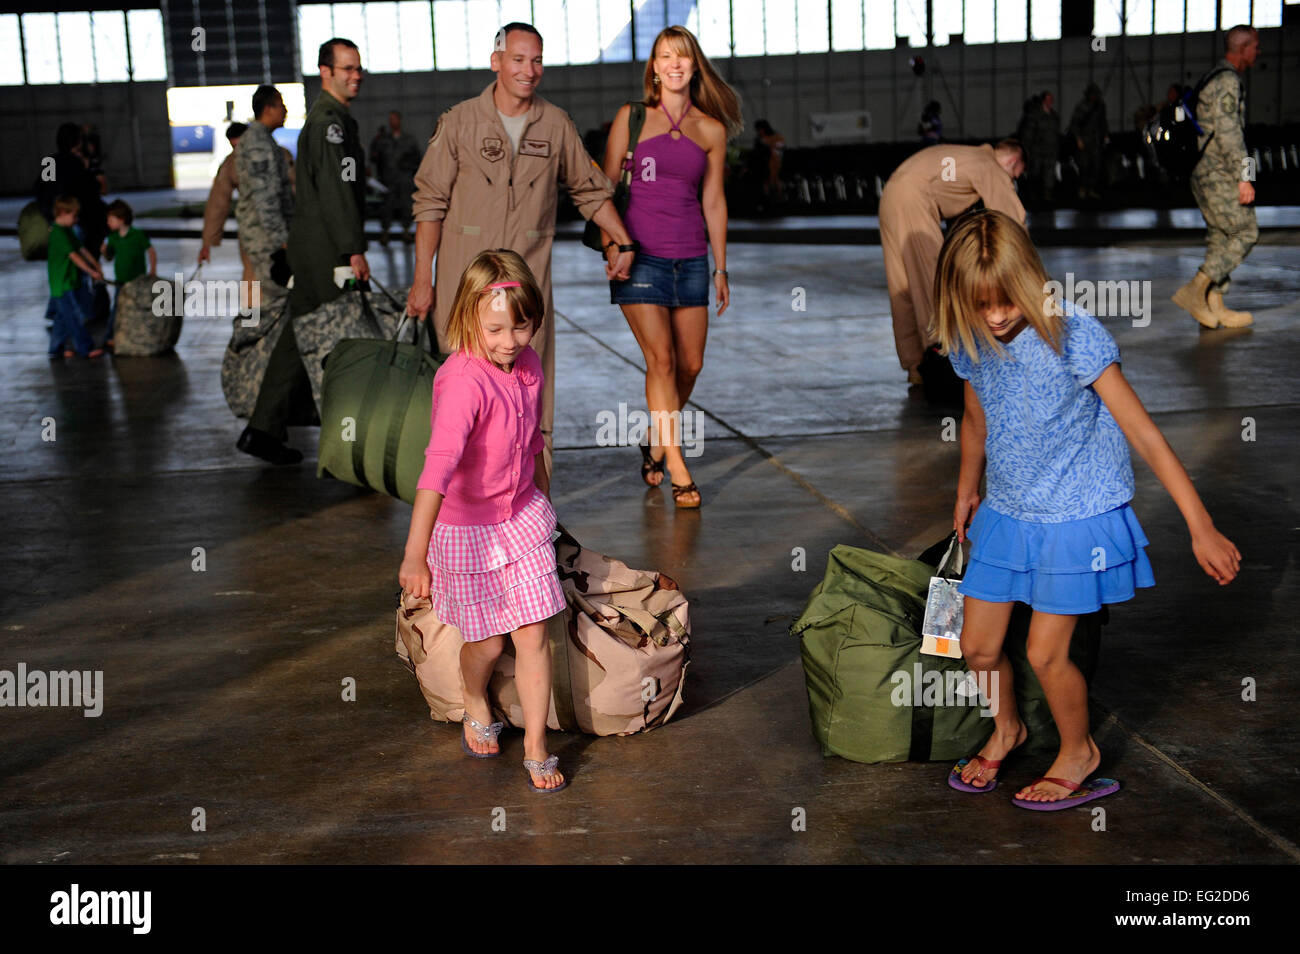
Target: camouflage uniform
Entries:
(263, 215)
(265, 200)
(1088, 123)
(1231, 230)
(1040, 134)
(395, 160)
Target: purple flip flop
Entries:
(954, 777)
(1091, 789)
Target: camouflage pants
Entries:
(1231, 230)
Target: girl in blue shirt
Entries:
(1051, 417)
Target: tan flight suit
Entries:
(217, 210)
(488, 198)
(939, 182)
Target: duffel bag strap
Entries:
(370, 313)
(375, 385)
(557, 634)
(395, 432)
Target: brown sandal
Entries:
(680, 491)
(651, 466)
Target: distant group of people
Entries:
(941, 182)
(84, 229)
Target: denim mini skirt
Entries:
(670, 282)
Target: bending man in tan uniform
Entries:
(939, 182)
(489, 180)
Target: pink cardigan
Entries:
(484, 435)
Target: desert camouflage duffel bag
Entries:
(619, 650)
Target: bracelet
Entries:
(611, 244)
(720, 271)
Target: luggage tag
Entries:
(941, 628)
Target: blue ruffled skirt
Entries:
(1068, 568)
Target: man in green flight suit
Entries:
(326, 234)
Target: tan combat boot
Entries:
(1227, 317)
(1192, 299)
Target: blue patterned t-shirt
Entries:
(1054, 451)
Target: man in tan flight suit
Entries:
(220, 199)
(939, 182)
(489, 180)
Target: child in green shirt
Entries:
(67, 299)
(126, 248)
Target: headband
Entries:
(504, 285)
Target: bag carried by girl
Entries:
(619, 651)
(635, 120)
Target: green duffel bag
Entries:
(33, 233)
(872, 695)
(376, 398)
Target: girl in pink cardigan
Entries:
(480, 540)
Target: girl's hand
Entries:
(723, 291)
(414, 577)
(1217, 556)
(963, 513)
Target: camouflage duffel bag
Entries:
(141, 329)
(619, 650)
(252, 340)
(354, 314)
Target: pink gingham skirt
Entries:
(491, 579)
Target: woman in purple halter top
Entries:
(676, 212)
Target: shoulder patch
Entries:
(334, 133)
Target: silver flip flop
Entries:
(545, 770)
(484, 733)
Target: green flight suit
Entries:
(326, 231)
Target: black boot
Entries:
(263, 445)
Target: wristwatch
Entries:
(720, 271)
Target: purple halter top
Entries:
(663, 208)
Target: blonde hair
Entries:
(988, 256)
(710, 93)
(525, 301)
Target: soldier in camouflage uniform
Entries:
(265, 196)
(396, 156)
(1091, 132)
(1221, 183)
(1040, 134)
(326, 233)
(263, 214)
